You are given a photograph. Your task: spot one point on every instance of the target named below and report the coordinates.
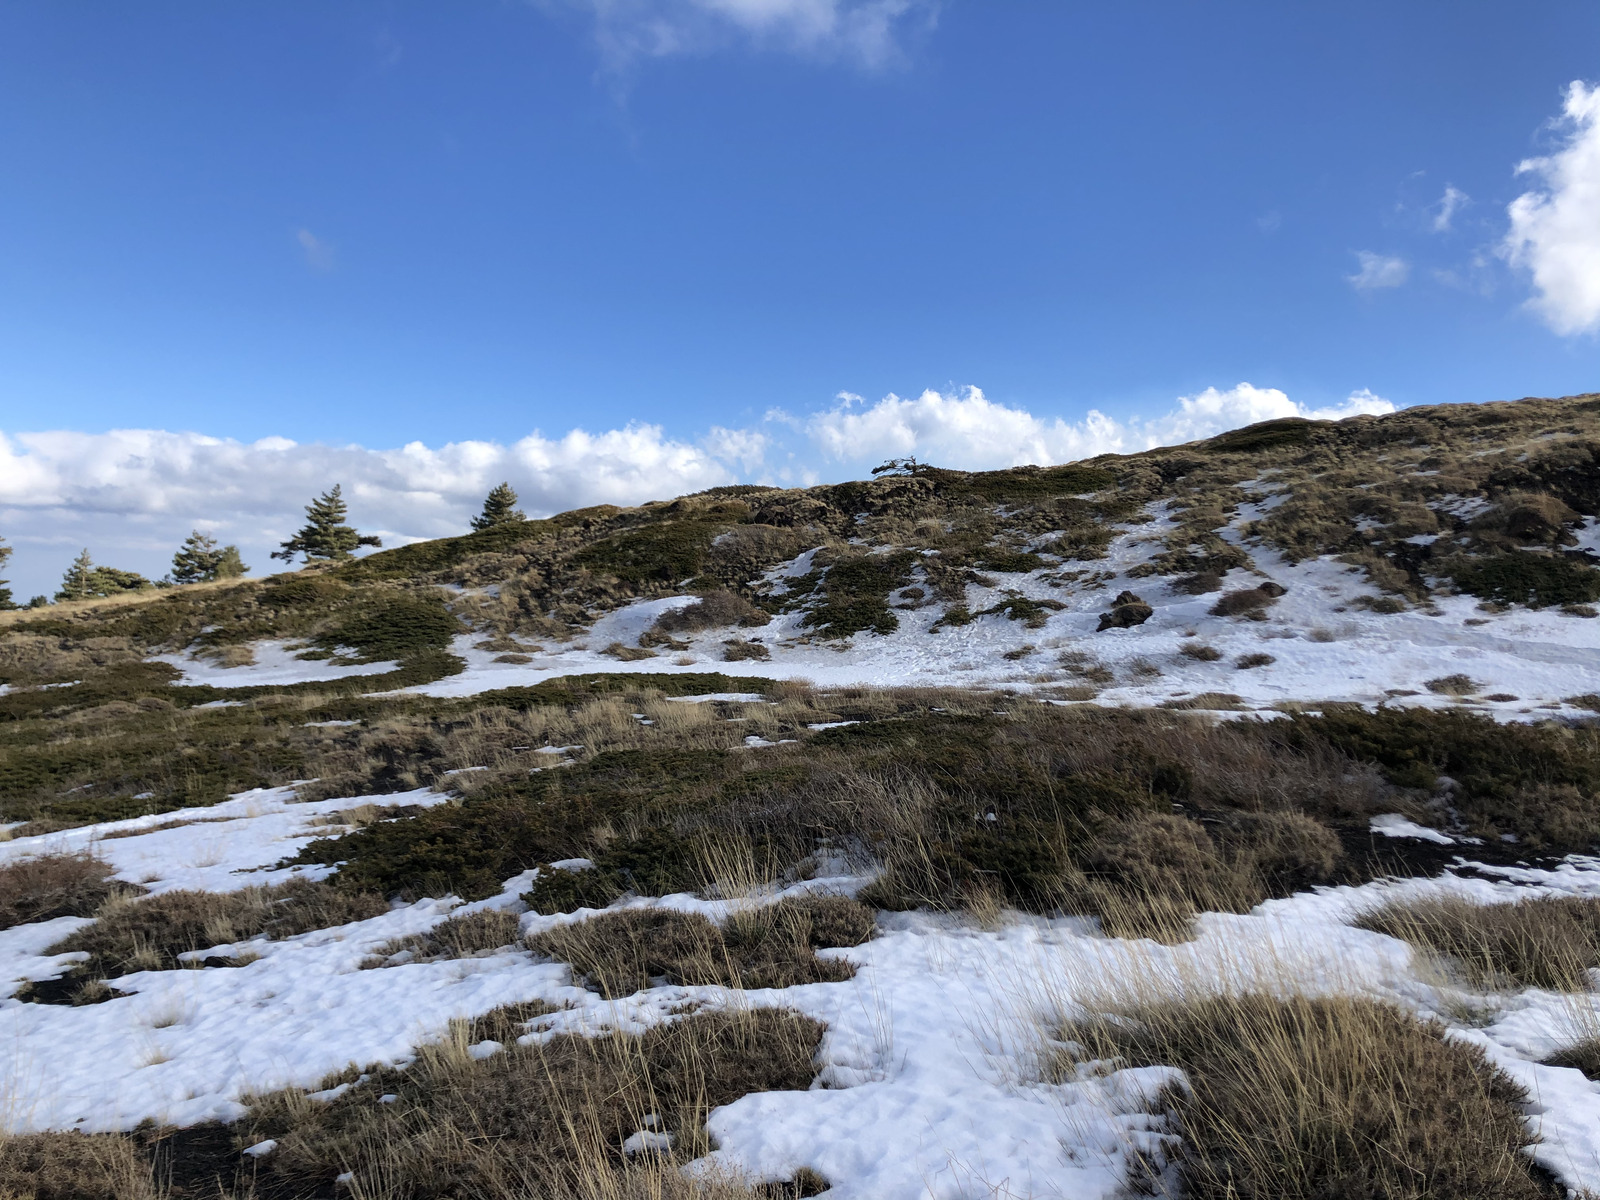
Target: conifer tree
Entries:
(201, 560)
(325, 535)
(6, 602)
(76, 582)
(499, 507)
(230, 565)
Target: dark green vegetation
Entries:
(541, 1120)
(1324, 1099)
(1536, 580)
(619, 953)
(1140, 817)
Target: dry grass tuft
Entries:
(56, 885)
(620, 953)
(1547, 942)
(1453, 685)
(150, 934)
(1200, 651)
(1581, 1056)
(465, 936)
(1332, 1098)
(76, 1166)
(528, 1122)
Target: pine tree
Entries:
(230, 565)
(325, 535)
(201, 560)
(75, 584)
(196, 560)
(499, 507)
(6, 602)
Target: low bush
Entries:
(714, 609)
(1321, 1098)
(1245, 602)
(56, 885)
(1547, 942)
(150, 934)
(465, 936)
(1537, 580)
(855, 594)
(1581, 1056)
(620, 953)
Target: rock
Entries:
(1127, 610)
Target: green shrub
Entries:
(1537, 580)
(1263, 435)
(856, 594)
(393, 626)
(667, 552)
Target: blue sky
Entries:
(374, 224)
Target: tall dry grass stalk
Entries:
(1547, 941)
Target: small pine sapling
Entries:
(499, 508)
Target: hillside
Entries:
(958, 834)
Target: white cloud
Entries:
(865, 31)
(1379, 271)
(1555, 229)
(319, 254)
(972, 432)
(1452, 202)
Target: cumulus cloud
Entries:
(1555, 228)
(1453, 200)
(972, 432)
(864, 31)
(1378, 271)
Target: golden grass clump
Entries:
(527, 1122)
(464, 936)
(150, 934)
(56, 885)
(770, 946)
(1320, 1098)
(1546, 942)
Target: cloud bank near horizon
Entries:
(131, 495)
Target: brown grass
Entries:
(620, 953)
(56, 885)
(150, 934)
(1453, 685)
(530, 1122)
(1331, 1098)
(1581, 1056)
(1547, 942)
(1200, 651)
(465, 936)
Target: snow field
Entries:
(929, 1081)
